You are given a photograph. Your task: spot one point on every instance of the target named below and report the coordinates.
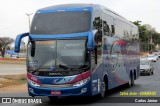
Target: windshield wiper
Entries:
(64, 67)
(36, 70)
(80, 67)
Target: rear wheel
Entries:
(131, 81)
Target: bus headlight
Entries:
(33, 83)
(82, 82)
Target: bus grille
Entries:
(55, 86)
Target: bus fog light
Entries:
(83, 90)
(31, 90)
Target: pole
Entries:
(29, 19)
(148, 45)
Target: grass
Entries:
(8, 80)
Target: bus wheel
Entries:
(52, 98)
(132, 80)
(104, 89)
(129, 84)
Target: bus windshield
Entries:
(61, 22)
(53, 53)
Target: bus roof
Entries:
(67, 7)
(76, 7)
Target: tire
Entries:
(149, 73)
(152, 72)
(131, 81)
(104, 91)
(129, 84)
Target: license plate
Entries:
(56, 92)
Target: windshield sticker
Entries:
(33, 63)
(52, 68)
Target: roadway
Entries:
(144, 83)
(12, 69)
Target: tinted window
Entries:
(61, 22)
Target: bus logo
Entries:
(52, 68)
(55, 81)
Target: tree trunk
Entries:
(3, 53)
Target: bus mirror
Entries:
(18, 41)
(33, 46)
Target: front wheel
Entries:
(104, 89)
(132, 83)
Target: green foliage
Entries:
(146, 36)
(142, 30)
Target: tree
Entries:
(4, 43)
(146, 35)
(143, 34)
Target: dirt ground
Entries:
(13, 83)
(14, 88)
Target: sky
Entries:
(14, 21)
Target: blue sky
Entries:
(13, 20)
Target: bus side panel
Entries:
(112, 55)
(121, 49)
(96, 75)
(114, 63)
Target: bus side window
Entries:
(99, 54)
(106, 29)
(113, 29)
(93, 60)
(98, 46)
(98, 38)
(97, 23)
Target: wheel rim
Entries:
(103, 89)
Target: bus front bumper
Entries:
(84, 90)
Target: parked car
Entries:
(152, 57)
(156, 56)
(146, 67)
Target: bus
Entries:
(80, 50)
